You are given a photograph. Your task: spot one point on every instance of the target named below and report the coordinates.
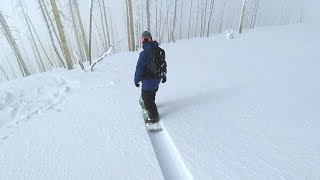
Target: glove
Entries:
(137, 84)
(164, 79)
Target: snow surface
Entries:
(246, 108)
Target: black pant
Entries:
(148, 99)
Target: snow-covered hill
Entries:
(246, 108)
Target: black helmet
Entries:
(146, 34)
(146, 37)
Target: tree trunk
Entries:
(156, 29)
(284, 11)
(242, 16)
(128, 25)
(101, 39)
(132, 37)
(106, 24)
(221, 20)
(50, 33)
(201, 19)
(148, 15)
(27, 60)
(61, 34)
(174, 21)
(160, 23)
(197, 19)
(90, 33)
(36, 57)
(54, 30)
(255, 13)
(301, 11)
(44, 50)
(103, 26)
(190, 19)
(111, 30)
(83, 34)
(181, 22)
(14, 46)
(33, 41)
(204, 19)
(210, 16)
(76, 32)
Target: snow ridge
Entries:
(169, 159)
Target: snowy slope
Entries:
(246, 108)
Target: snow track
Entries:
(18, 105)
(169, 159)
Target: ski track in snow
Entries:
(19, 105)
(169, 159)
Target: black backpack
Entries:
(158, 64)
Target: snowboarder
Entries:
(151, 69)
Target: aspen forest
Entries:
(43, 35)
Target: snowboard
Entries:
(150, 126)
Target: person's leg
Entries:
(150, 105)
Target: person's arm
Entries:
(141, 64)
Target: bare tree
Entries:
(62, 36)
(284, 11)
(156, 19)
(6, 31)
(197, 19)
(301, 11)
(128, 25)
(42, 7)
(8, 62)
(106, 23)
(80, 24)
(26, 59)
(190, 19)
(101, 39)
(255, 12)
(148, 14)
(40, 42)
(35, 55)
(242, 16)
(76, 32)
(222, 17)
(110, 28)
(103, 26)
(204, 19)
(54, 30)
(174, 21)
(181, 19)
(78, 60)
(4, 73)
(90, 32)
(210, 16)
(33, 41)
(166, 22)
(131, 26)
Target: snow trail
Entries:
(20, 103)
(169, 159)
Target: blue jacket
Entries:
(149, 84)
